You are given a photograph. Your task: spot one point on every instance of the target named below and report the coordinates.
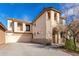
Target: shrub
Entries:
(69, 44)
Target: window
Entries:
(49, 14)
(55, 16)
(61, 34)
(11, 24)
(20, 26)
(27, 27)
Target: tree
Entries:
(71, 31)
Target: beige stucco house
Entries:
(46, 28)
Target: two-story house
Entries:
(46, 28)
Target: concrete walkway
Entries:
(30, 49)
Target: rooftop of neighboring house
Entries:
(18, 20)
(3, 27)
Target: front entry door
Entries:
(55, 38)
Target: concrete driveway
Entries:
(30, 49)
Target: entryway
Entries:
(56, 36)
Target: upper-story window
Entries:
(49, 14)
(27, 27)
(20, 26)
(11, 24)
(55, 16)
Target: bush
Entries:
(69, 44)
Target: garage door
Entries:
(18, 37)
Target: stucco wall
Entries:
(2, 36)
(18, 37)
(39, 31)
(40, 27)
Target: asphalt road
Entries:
(30, 49)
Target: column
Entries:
(63, 22)
(31, 28)
(59, 38)
(24, 27)
(55, 38)
(58, 17)
(15, 26)
(9, 22)
(51, 24)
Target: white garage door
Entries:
(18, 37)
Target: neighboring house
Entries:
(46, 28)
(2, 34)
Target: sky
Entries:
(23, 11)
(29, 11)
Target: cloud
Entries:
(26, 18)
